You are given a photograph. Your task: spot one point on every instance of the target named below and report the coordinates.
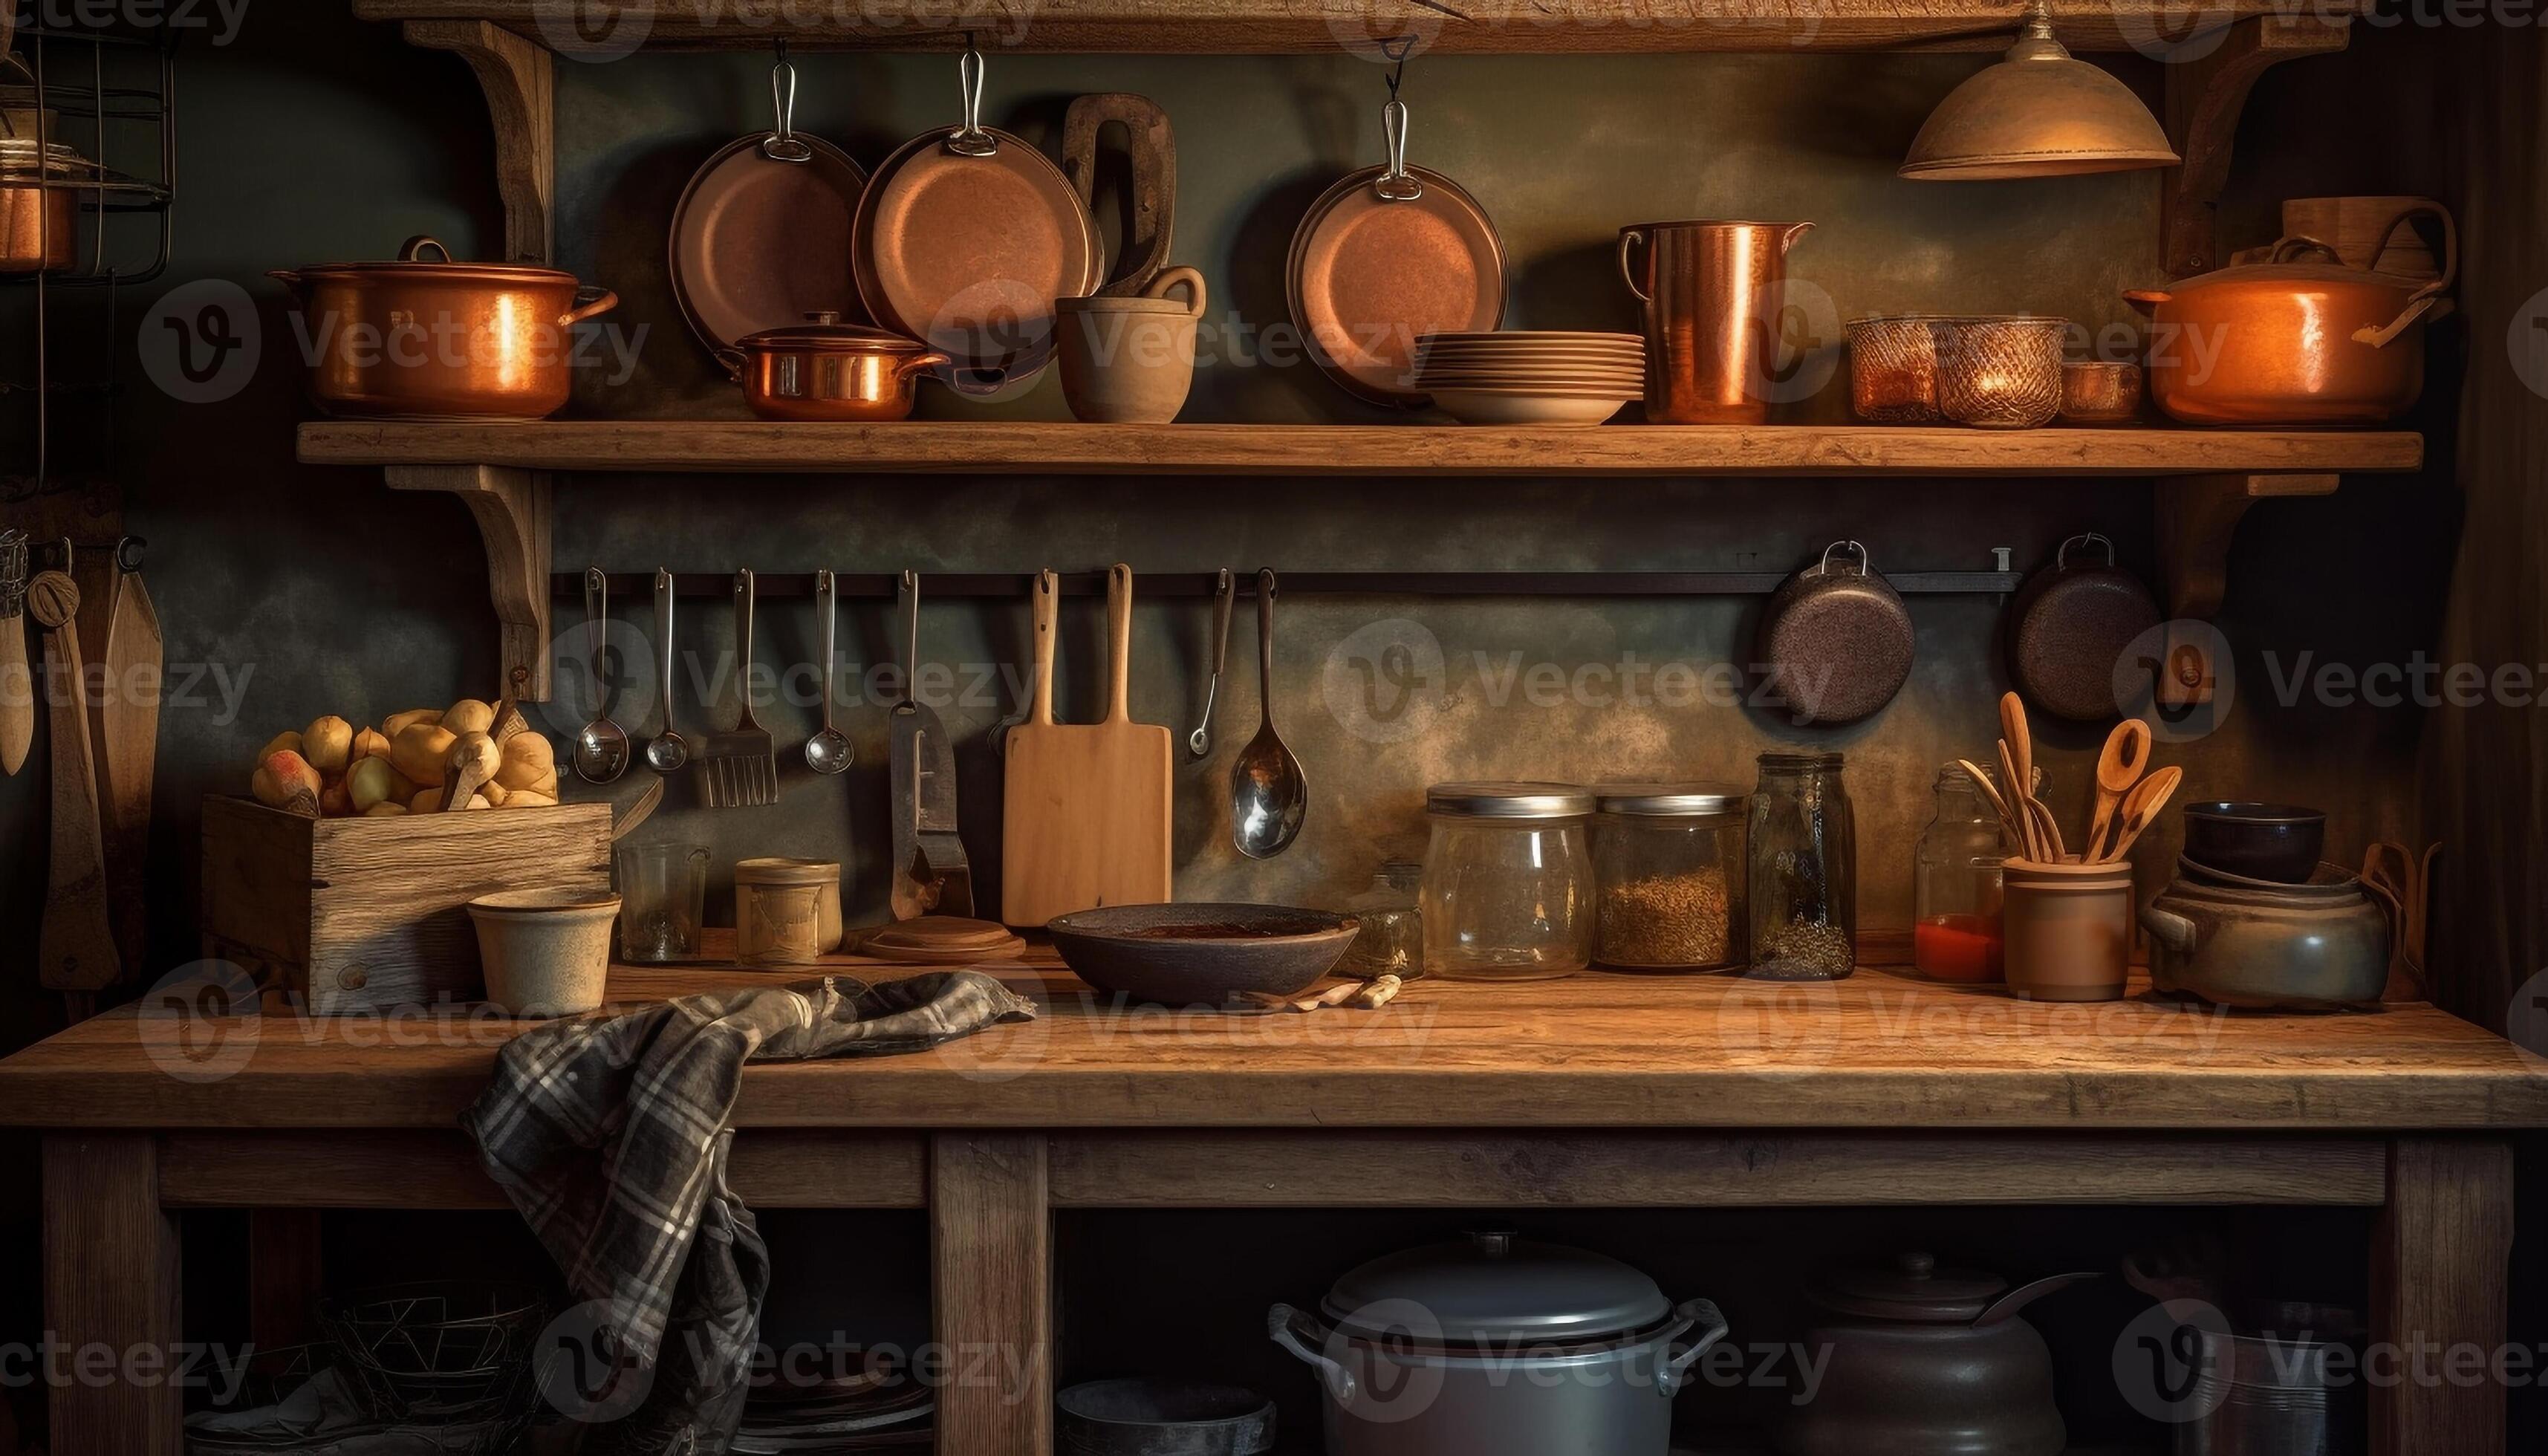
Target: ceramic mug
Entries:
(1130, 361)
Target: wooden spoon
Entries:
(2049, 831)
(2120, 765)
(2020, 806)
(2141, 806)
(472, 760)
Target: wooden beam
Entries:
(1015, 447)
(1349, 1169)
(519, 82)
(2206, 89)
(110, 1296)
(990, 1230)
(2439, 1296)
(511, 508)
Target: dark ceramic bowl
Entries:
(1161, 1417)
(2276, 842)
(1201, 955)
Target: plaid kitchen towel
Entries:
(608, 1132)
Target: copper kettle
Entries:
(2294, 342)
(1928, 1362)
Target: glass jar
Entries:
(1804, 869)
(663, 900)
(1508, 881)
(1392, 939)
(1668, 861)
(1955, 931)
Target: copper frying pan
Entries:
(964, 237)
(1387, 255)
(761, 237)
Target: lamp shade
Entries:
(2041, 112)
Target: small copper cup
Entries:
(2101, 392)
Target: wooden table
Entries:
(1599, 1091)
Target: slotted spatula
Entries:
(739, 766)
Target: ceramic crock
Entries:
(2251, 942)
(1496, 1346)
(1928, 1362)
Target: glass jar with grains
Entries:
(1804, 869)
(1508, 881)
(1669, 861)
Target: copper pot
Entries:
(2294, 343)
(1711, 296)
(827, 369)
(38, 225)
(415, 338)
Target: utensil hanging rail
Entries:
(880, 586)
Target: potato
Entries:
(385, 811)
(529, 758)
(294, 785)
(370, 743)
(475, 801)
(524, 798)
(334, 801)
(495, 794)
(373, 782)
(419, 751)
(469, 715)
(282, 743)
(261, 783)
(396, 723)
(328, 744)
(473, 760)
(427, 802)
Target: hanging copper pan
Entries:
(1388, 255)
(761, 237)
(964, 237)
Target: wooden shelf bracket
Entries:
(520, 81)
(2197, 516)
(2206, 89)
(512, 507)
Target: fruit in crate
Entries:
(337, 769)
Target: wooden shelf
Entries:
(958, 448)
(1289, 27)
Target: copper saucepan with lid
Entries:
(2296, 341)
(431, 337)
(826, 370)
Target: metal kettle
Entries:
(1928, 1362)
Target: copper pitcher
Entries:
(1710, 295)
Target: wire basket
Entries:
(442, 1351)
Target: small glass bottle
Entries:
(1392, 939)
(1804, 869)
(1956, 886)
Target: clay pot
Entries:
(2067, 930)
(1131, 360)
(546, 953)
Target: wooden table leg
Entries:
(111, 1298)
(2437, 1297)
(990, 1228)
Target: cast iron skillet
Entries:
(1836, 641)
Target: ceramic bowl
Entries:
(2276, 842)
(1496, 407)
(1201, 955)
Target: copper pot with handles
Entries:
(825, 370)
(2294, 341)
(426, 337)
(1710, 292)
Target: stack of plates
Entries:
(1532, 378)
(840, 1416)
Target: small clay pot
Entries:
(1130, 361)
(546, 953)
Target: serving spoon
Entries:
(1269, 796)
(827, 752)
(602, 749)
(664, 751)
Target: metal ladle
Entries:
(1269, 796)
(664, 751)
(602, 749)
(829, 751)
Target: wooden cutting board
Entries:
(1085, 820)
(126, 724)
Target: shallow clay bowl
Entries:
(1201, 955)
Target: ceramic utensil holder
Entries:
(2067, 930)
(1130, 361)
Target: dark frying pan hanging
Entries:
(2069, 628)
(965, 237)
(761, 237)
(1836, 640)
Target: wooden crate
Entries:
(367, 914)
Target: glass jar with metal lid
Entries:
(1669, 861)
(1803, 892)
(1508, 881)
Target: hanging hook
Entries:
(128, 553)
(969, 138)
(782, 144)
